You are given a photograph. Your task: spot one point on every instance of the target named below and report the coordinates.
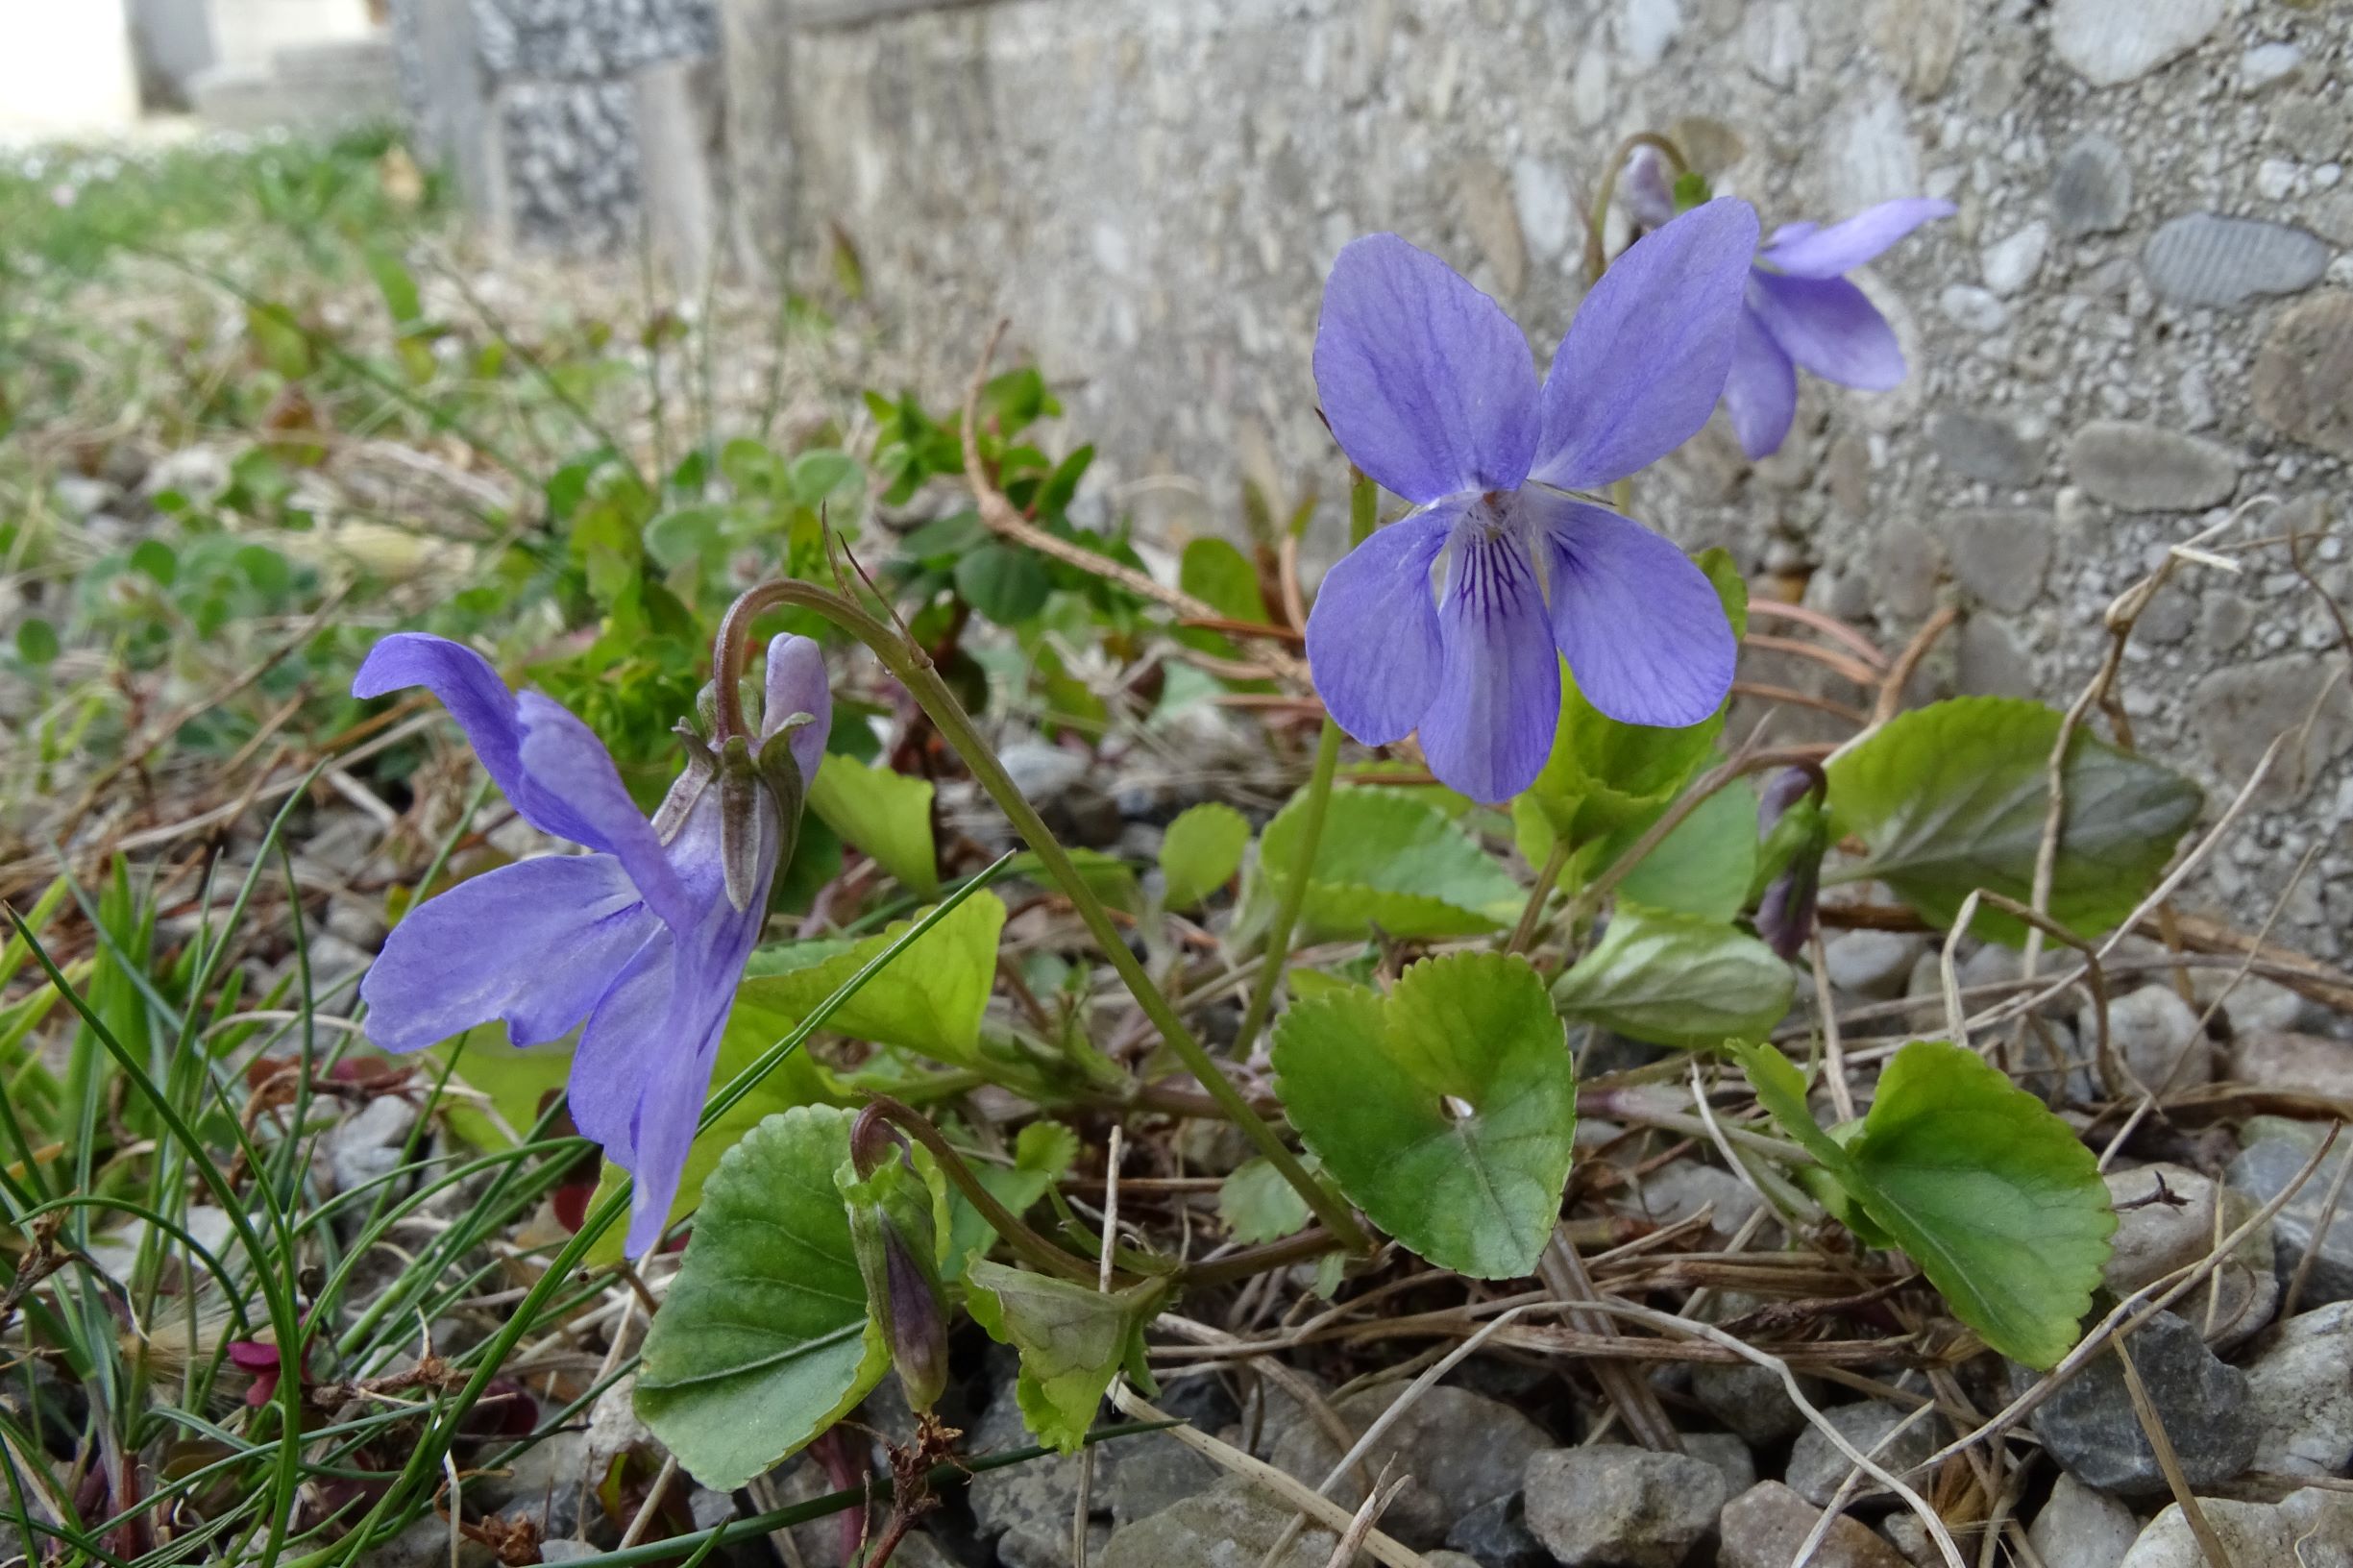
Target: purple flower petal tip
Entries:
(1843, 247)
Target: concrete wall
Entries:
(2142, 316)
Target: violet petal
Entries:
(486, 710)
(1841, 246)
(1761, 394)
(1829, 326)
(1645, 360)
(1641, 626)
(566, 761)
(796, 683)
(1427, 385)
(1373, 635)
(535, 943)
(1490, 725)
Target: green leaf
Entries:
(764, 1339)
(1603, 777)
(279, 339)
(1042, 1154)
(1704, 865)
(929, 1000)
(1993, 1196)
(1445, 1111)
(1676, 980)
(818, 474)
(1215, 571)
(1073, 1340)
(1006, 583)
(1257, 1204)
(1952, 796)
(1107, 876)
(515, 1082)
(683, 534)
(887, 814)
(1201, 851)
(399, 287)
(1707, 866)
(37, 641)
(1390, 861)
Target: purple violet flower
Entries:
(1799, 309)
(644, 937)
(1453, 620)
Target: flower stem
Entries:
(1314, 801)
(1035, 1248)
(1363, 513)
(1597, 259)
(913, 671)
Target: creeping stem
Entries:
(913, 669)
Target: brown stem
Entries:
(1004, 1221)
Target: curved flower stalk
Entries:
(1799, 308)
(644, 937)
(1452, 622)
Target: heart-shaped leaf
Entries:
(764, 1339)
(1952, 796)
(1989, 1193)
(1388, 860)
(1444, 1111)
(1676, 980)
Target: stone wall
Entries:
(547, 109)
(2138, 325)
(2141, 318)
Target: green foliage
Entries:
(1955, 797)
(929, 1001)
(1073, 1341)
(1677, 979)
(764, 1339)
(1605, 777)
(1444, 1111)
(1390, 861)
(886, 814)
(1201, 851)
(1987, 1191)
(1257, 1204)
(1042, 1154)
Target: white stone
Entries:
(2011, 264)
(1589, 88)
(1647, 29)
(2267, 62)
(1975, 308)
(1872, 158)
(1775, 39)
(2081, 1528)
(1548, 211)
(2301, 1387)
(2111, 42)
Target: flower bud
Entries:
(1796, 831)
(895, 1235)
